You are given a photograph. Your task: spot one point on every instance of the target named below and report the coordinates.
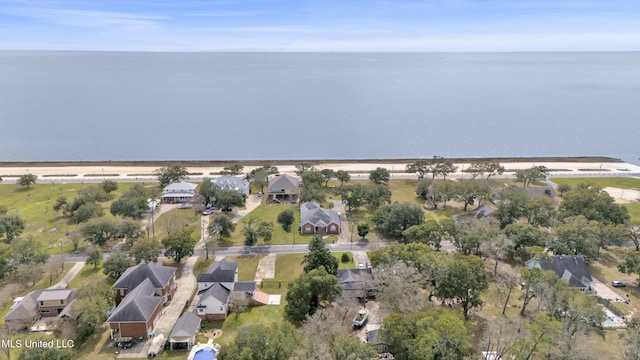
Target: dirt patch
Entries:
(623, 196)
(213, 334)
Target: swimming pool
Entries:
(205, 354)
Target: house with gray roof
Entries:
(316, 220)
(235, 183)
(138, 313)
(571, 268)
(357, 283)
(214, 302)
(184, 331)
(284, 188)
(162, 277)
(179, 193)
(24, 313)
(222, 271)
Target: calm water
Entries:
(171, 106)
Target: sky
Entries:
(320, 25)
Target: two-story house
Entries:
(162, 277)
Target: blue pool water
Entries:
(205, 354)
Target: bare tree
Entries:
(239, 303)
(400, 288)
(506, 282)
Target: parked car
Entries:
(368, 265)
(360, 266)
(207, 212)
(618, 284)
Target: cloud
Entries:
(84, 18)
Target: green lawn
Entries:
(89, 275)
(404, 191)
(176, 219)
(634, 211)
(342, 265)
(247, 266)
(618, 182)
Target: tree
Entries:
(238, 303)
(631, 264)
(393, 219)
(531, 277)
(631, 340)
(401, 288)
(525, 235)
(260, 178)
(75, 237)
(328, 175)
(250, 231)
(179, 244)
(91, 307)
(465, 280)
(221, 225)
(353, 196)
(420, 167)
(446, 190)
(29, 272)
(539, 211)
(376, 195)
(146, 249)
(27, 180)
(226, 199)
(11, 226)
(46, 353)
(443, 167)
(305, 294)
(232, 170)
(61, 204)
(511, 207)
(171, 174)
(286, 219)
(116, 265)
(99, 231)
(303, 168)
(505, 283)
(424, 189)
(429, 233)
(320, 257)
(109, 186)
(94, 256)
(88, 211)
(594, 204)
(363, 229)
(537, 337)
(380, 176)
(265, 231)
(260, 342)
(342, 176)
(577, 235)
(532, 174)
(465, 191)
(129, 230)
(26, 250)
(497, 249)
(207, 190)
(563, 189)
(133, 203)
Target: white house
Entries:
(178, 193)
(234, 183)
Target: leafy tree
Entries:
(221, 225)
(631, 340)
(446, 190)
(94, 193)
(505, 283)
(179, 244)
(286, 219)
(577, 235)
(238, 303)
(303, 168)
(343, 177)
(393, 219)
(631, 264)
(512, 207)
(531, 277)
(146, 249)
(472, 232)
(345, 258)
(443, 167)
(380, 176)
(265, 231)
(431, 334)
(92, 304)
(537, 337)
(328, 175)
(11, 226)
(61, 204)
(417, 255)
(260, 178)
(525, 235)
(116, 265)
(400, 288)
(88, 211)
(311, 192)
(133, 203)
(94, 256)
(75, 237)
(229, 198)
(429, 233)
(539, 211)
(26, 250)
(109, 186)
(47, 353)
(533, 174)
(207, 190)
(424, 189)
(496, 248)
(488, 168)
(29, 272)
(493, 168)
(171, 174)
(420, 167)
(376, 195)
(99, 231)
(594, 204)
(130, 230)
(465, 191)
(353, 196)
(306, 292)
(320, 257)
(232, 170)
(259, 342)
(563, 189)
(465, 280)
(632, 232)
(250, 231)
(27, 180)
(363, 229)
(578, 315)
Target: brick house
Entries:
(162, 278)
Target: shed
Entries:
(185, 329)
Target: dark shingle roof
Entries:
(220, 271)
(355, 282)
(217, 291)
(284, 181)
(245, 286)
(572, 269)
(187, 325)
(138, 304)
(135, 275)
(68, 311)
(313, 213)
(25, 308)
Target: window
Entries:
(41, 303)
(61, 302)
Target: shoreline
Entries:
(359, 169)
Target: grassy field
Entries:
(35, 206)
(618, 182)
(89, 275)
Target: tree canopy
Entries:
(320, 257)
(171, 174)
(27, 180)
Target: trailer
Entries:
(360, 318)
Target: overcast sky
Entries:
(321, 25)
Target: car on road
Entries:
(207, 212)
(618, 284)
(360, 266)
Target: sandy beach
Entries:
(88, 173)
